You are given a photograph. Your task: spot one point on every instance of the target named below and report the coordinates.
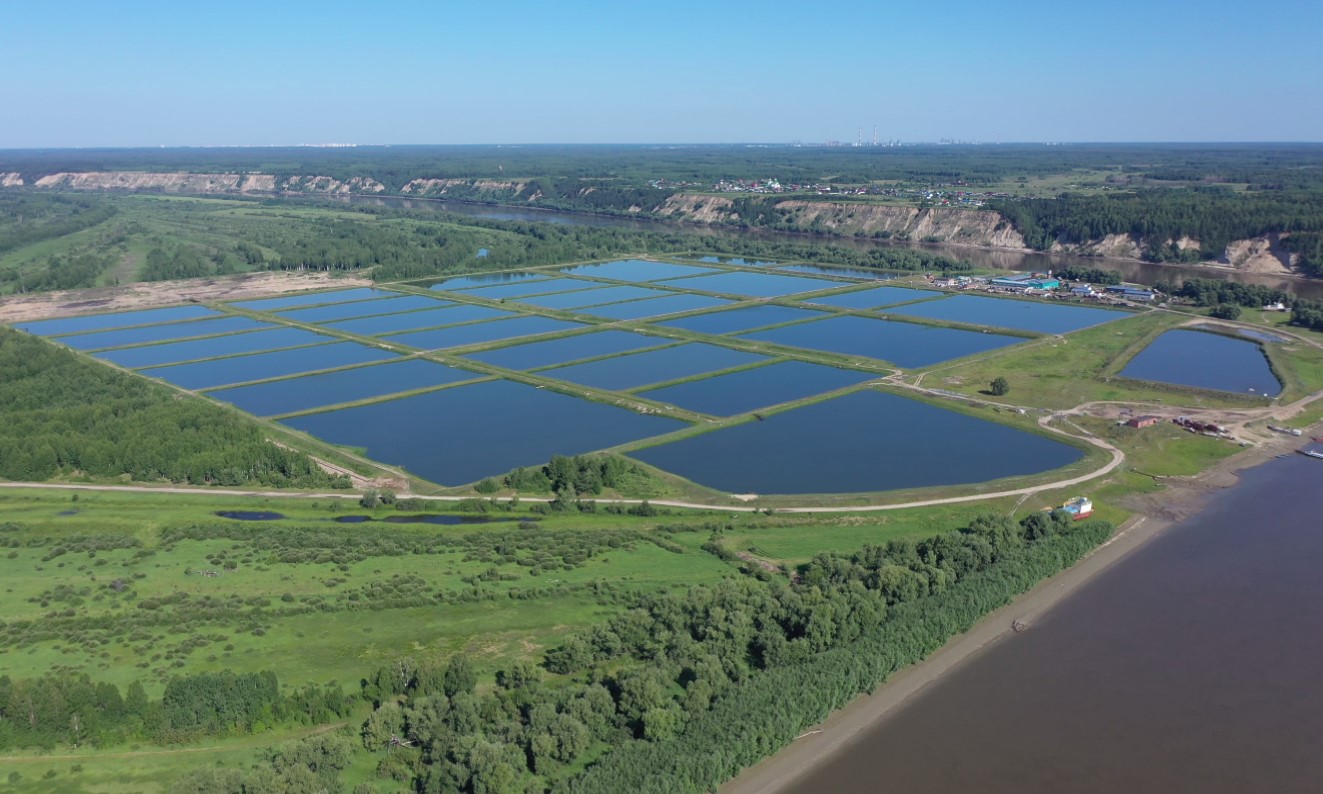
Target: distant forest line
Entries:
(1159, 194)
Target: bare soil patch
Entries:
(145, 295)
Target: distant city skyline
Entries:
(85, 74)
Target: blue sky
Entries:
(228, 73)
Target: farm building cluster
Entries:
(1047, 285)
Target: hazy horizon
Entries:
(244, 74)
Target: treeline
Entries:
(572, 476)
(27, 218)
(308, 766)
(1212, 216)
(1091, 275)
(183, 261)
(1308, 314)
(1308, 246)
(680, 692)
(65, 415)
(417, 244)
(1262, 166)
(63, 708)
(1212, 292)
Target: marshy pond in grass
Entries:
(101, 322)
(1205, 361)
(750, 389)
(901, 343)
(143, 334)
(655, 366)
(428, 318)
(176, 352)
(567, 348)
(478, 333)
(459, 435)
(1022, 315)
(260, 366)
(864, 441)
(347, 385)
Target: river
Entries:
(1191, 665)
(991, 258)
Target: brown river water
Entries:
(1191, 665)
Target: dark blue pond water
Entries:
(1205, 361)
(848, 272)
(759, 285)
(865, 441)
(343, 311)
(175, 352)
(314, 299)
(904, 344)
(162, 333)
(482, 332)
(346, 385)
(718, 260)
(1047, 318)
(428, 318)
(744, 318)
(480, 280)
(592, 297)
(750, 389)
(655, 307)
(260, 366)
(636, 270)
(100, 322)
(655, 366)
(876, 296)
(567, 348)
(460, 435)
(522, 289)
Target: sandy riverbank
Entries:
(1183, 498)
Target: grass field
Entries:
(1062, 372)
(318, 608)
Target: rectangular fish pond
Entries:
(907, 345)
(462, 434)
(864, 441)
(347, 385)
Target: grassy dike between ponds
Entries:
(768, 711)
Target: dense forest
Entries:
(70, 709)
(1212, 216)
(681, 691)
(1261, 166)
(65, 415)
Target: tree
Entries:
(1000, 387)
(1225, 311)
